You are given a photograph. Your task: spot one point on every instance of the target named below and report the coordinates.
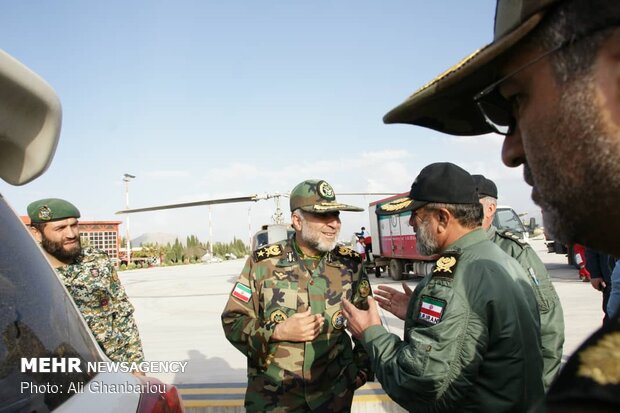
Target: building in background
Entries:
(103, 235)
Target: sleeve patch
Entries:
(431, 310)
(242, 292)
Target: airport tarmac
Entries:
(178, 313)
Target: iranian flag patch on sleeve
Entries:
(242, 292)
(431, 309)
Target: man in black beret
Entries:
(472, 334)
(549, 306)
(90, 278)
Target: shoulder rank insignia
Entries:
(431, 310)
(512, 236)
(445, 265)
(594, 360)
(268, 251)
(347, 252)
(338, 320)
(364, 288)
(277, 316)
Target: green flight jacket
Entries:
(275, 284)
(472, 336)
(549, 306)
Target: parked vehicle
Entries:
(394, 242)
(38, 318)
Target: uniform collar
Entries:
(471, 238)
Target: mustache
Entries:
(527, 175)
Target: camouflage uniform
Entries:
(94, 285)
(549, 306)
(289, 376)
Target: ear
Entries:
(608, 76)
(36, 234)
(296, 222)
(443, 219)
(492, 207)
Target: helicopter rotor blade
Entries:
(251, 198)
(368, 193)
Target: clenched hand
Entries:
(299, 327)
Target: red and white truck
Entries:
(394, 243)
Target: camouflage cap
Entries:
(317, 196)
(446, 103)
(51, 209)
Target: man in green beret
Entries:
(284, 312)
(472, 332)
(90, 278)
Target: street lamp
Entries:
(126, 179)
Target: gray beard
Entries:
(425, 243)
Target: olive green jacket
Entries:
(275, 284)
(472, 336)
(549, 306)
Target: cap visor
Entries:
(446, 103)
(325, 207)
(396, 206)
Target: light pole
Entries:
(126, 179)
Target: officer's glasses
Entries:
(496, 109)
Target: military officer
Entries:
(90, 278)
(285, 314)
(549, 306)
(472, 338)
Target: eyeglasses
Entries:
(497, 110)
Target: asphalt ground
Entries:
(178, 314)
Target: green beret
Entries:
(51, 209)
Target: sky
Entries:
(205, 99)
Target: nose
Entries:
(72, 232)
(513, 153)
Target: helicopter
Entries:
(278, 230)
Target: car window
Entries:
(37, 319)
(507, 219)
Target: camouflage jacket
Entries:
(549, 306)
(94, 286)
(275, 284)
